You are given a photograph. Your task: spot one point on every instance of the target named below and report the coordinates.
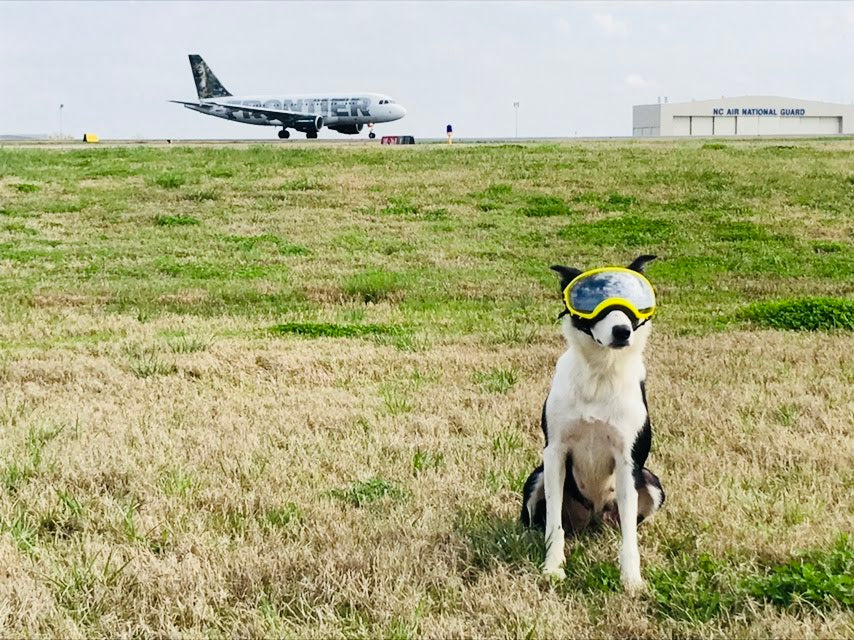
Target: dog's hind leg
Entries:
(534, 501)
(650, 499)
(575, 517)
(650, 494)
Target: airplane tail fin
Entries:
(207, 84)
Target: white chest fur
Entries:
(595, 408)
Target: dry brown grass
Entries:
(205, 498)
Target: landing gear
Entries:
(372, 135)
(284, 134)
(311, 135)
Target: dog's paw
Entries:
(633, 585)
(611, 516)
(554, 573)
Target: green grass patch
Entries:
(264, 240)
(202, 195)
(545, 206)
(400, 206)
(694, 589)
(282, 517)
(303, 184)
(629, 230)
(823, 579)
(375, 285)
(802, 314)
(169, 180)
(26, 187)
(618, 202)
(329, 330)
(424, 460)
(492, 541)
(363, 493)
(496, 380)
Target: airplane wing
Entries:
(286, 118)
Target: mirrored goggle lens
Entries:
(589, 292)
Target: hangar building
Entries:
(743, 116)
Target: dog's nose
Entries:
(621, 333)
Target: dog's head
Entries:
(614, 326)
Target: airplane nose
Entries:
(399, 111)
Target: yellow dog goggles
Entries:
(597, 289)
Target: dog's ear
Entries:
(639, 263)
(567, 274)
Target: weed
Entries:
(373, 286)
(424, 460)
(169, 180)
(400, 206)
(176, 482)
(282, 517)
(363, 493)
(186, 344)
(202, 195)
(506, 443)
(823, 579)
(496, 380)
(179, 220)
(329, 330)
(491, 541)
(304, 184)
(396, 399)
(148, 364)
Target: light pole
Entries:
(60, 120)
(516, 109)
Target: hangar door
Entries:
(724, 126)
(701, 125)
(681, 126)
(808, 125)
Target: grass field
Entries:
(294, 391)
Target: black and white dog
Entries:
(597, 429)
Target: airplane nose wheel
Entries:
(284, 133)
(372, 135)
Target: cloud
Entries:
(637, 80)
(610, 25)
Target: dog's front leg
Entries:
(554, 475)
(627, 503)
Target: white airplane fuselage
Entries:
(336, 109)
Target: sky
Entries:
(576, 68)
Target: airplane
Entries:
(342, 112)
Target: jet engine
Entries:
(350, 129)
(308, 125)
